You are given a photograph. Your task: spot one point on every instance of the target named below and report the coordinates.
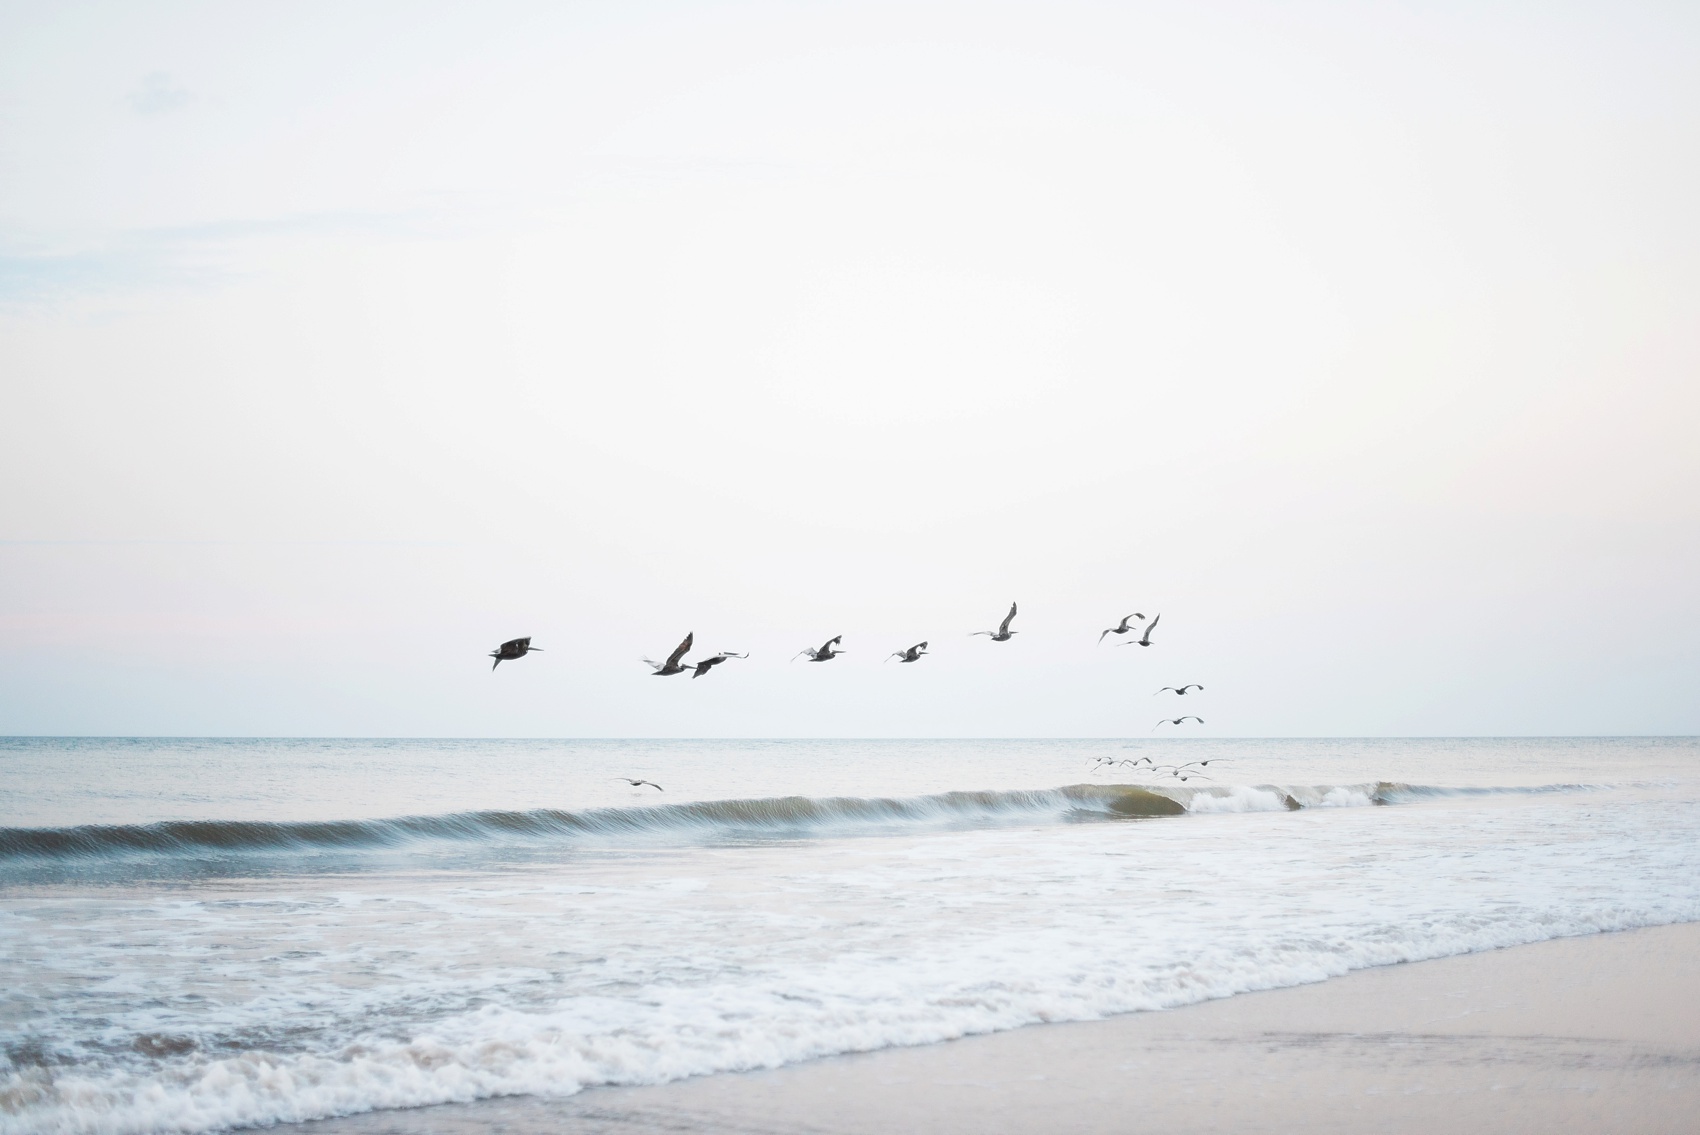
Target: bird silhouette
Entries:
(708, 664)
(1003, 633)
(671, 666)
(913, 654)
(1182, 689)
(641, 783)
(825, 653)
(512, 649)
(1144, 640)
(1123, 628)
(1179, 720)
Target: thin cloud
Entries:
(155, 95)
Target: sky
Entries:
(339, 343)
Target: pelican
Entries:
(512, 649)
(1146, 641)
(1181, 691)
(1003, 633)
(1179, 720)
(671, 666)
(708, 664)
(913, 654)
(641, 783)
(1124, 628)
(825, 653)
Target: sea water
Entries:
(203, 934)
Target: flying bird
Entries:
(671, 666)
(1181, 690)
(1179, 720)
(1124, 628)
(913, 654)
(1003, 633)
(512, 649)
(708, 664)
(1145, 641)
(825, 653)
(641, 783)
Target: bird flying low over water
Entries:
(512, 649)
(1003, 633)
(913, 654)
(1124, 628)
(1181, 690)
(1146, 639)
(1179, 720)
(708, 664)
(825, 653)
(671, 666)
(641, 783)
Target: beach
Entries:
(1591, 1034)
(207, 935)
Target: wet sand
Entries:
(1597, 1034)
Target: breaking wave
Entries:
(792, 816)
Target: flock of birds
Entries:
(676, 663)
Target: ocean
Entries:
(203, 934)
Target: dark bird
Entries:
(825, 653)
(671, 666)
(708, 664)
(1146, 640)
(512, 649)
(1182, 689)
(1179, 720)
(641, 783)
(1003, 633)
(1124, 628)
(913, 654)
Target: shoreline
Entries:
(1592, 1034)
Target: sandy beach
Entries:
(1594, 1034)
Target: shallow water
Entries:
(200, 934)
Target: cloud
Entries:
(155, 95)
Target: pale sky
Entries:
(340, 342)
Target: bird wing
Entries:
(830, 643)
(920, 646)
(1148, 629)
(1004, 626)
(679, 651)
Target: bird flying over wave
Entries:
(512, 649)
(641, 783)
(1179, 720)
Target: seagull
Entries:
(1182, 690)
(671, 666)
(1179, 720)
(913, 654)
(825, 653)
(708, 664)
(1146, 641)
(1124, 628)
(512, 649)
(641, 783)
(1003, 633)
